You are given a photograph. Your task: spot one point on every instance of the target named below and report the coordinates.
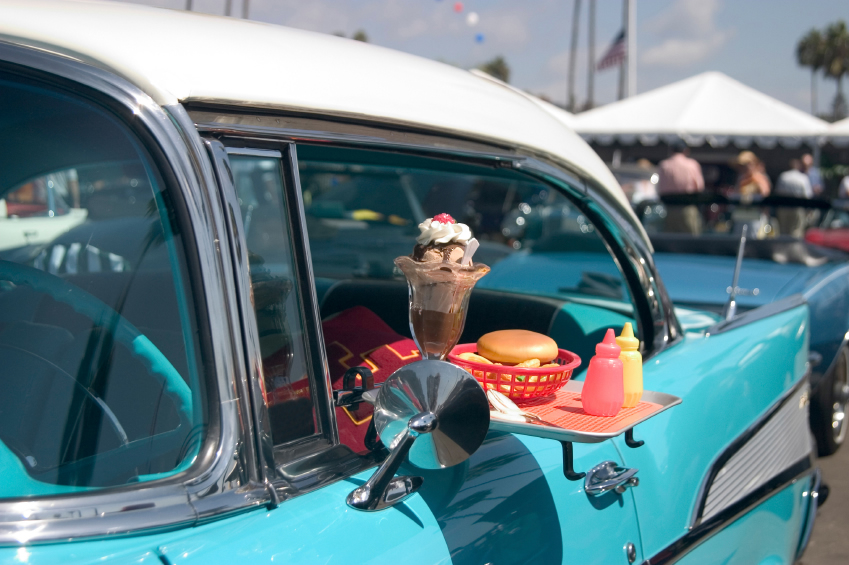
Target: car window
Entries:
(551, 271)
(98, 338)
(362, 216)
(259, 188)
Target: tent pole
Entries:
(573, 52)
(591, 63)
(631, 52)
(622, 65)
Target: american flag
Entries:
(615, 54)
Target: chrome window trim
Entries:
(184, 499)
(700, 530)
(656, 316)
(286, 154)
(309, 463)
(256, 420)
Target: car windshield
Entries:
(100, 371)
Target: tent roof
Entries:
(710, 107)
(840, 129)
(838, 133)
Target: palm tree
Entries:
(836, 63)
(810, 52)
(497, 68)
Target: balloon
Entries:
(472, 19)
(458, 7)
(479, 38)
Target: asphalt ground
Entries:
(829, 543)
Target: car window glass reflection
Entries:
(259, 188)
(98, 340)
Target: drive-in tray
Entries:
(565, 421)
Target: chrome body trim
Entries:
(800, 388)
(179, 500)
(630, 251)
(812, 494)
(681, 547)
(703, 527)
(760, 313)
(780, 442)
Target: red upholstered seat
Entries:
(357, 336)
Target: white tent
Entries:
(707, 108)
(839, 132)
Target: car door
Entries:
(737, 452)
(509, 503)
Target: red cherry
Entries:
(444, 219)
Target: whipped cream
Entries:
(438, 232)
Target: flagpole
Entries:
(573, 51)
(622, 75)
(631, 53)
(591, 66)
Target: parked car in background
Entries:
(833, 228)
(699, 269)
(36, 212)
(174, 366)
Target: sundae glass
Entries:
(440, 276)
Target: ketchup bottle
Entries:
(603, 392)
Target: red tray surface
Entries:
(563, 409)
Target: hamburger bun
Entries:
(515, 346)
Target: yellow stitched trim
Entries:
(356, 422)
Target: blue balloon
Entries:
(479, 38)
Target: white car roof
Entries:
(177, 56)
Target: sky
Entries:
(752, 41)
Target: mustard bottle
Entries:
(632, 363)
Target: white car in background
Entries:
(36, 213)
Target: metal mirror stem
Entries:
(383, 489)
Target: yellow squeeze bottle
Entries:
(632, 364)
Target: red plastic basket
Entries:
(519, 383)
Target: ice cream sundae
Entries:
(440, 274)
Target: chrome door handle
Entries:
(609, 476)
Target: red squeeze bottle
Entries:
(603, 392)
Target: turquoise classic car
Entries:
(186, 371)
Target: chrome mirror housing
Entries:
(433, 411)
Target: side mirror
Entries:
(433, 411)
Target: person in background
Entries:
(751, 182)
(843, 191)
(813, 173)
(679, 174)
(751, 178)
(794, 183)
(644, 188)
